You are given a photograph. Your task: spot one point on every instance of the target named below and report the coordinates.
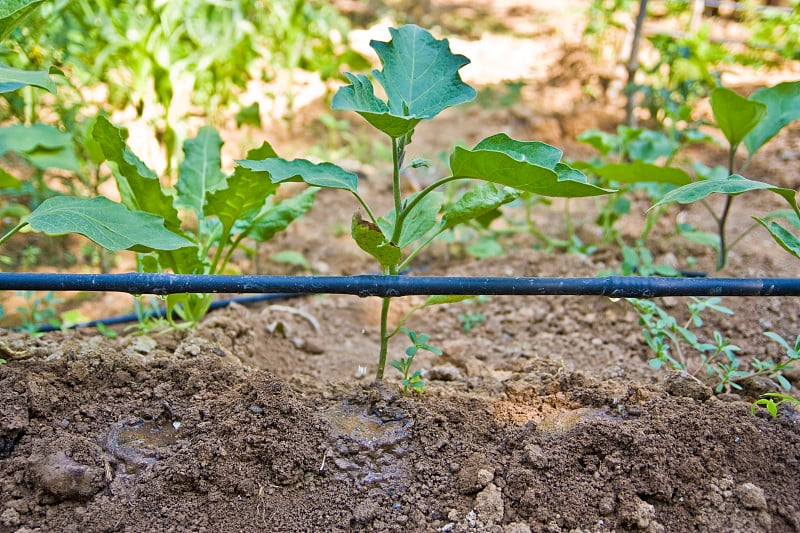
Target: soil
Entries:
(544, 416)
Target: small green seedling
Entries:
(771, 401)
(419, 341)
(420, 78)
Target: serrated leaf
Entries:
(107, 223)
(508, 162)
(12, 79)
(326, 175)
(200, 172)
(417, 223)
(733, 184)
(785, 238)
(43, 145)
(639, 172)
(277, 218)
(735, 114)
(139, 187)
(13, 12)
(475, 203)
(419, 75)
(370, 238)
(783, 107)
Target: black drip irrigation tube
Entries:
(278, 287)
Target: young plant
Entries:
(750, 121)
(420, 78)
(221, 210)
(768, 401)
(419, 341)
(670, 342)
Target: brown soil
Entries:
(543, 417)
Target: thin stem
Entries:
(396, 158)
(385, 302)
(401, 215)
(723, 251)
(742, 236)
(12, 231)
(369, 212)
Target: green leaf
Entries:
(244, 194)
(277, 218)
(475, 203)
(733, 184)
(138, 185)
(107, 223)
(43, 145)
(784, 237)
(370, 238)
(639, 172)
(12, 79)
(7, 181)
(291, 257)
(326, 175)
(735, 114)
(417, 223)
(783, 107)
(601, 141)
(524, 166)
(13, 12)
(419, 75)
(200, 172)
(439, 299)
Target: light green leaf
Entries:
(512, 163)
(200, 172)
(43, 145)
(734, 184)
(534, 152)
(639, 172)
(477, 202)
(12, 79)
(445, 299)
(735, 114)
(7, 181)
(783, 107)
(785, 238)
(291, 257)
(107, 223)
(417, 223)
(244, 195)
(12, 13)
(370, 238)
(277, 218)
(419, 75)
(138, 185)
(326, 175)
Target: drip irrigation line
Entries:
(393, 286)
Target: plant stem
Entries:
(722, 258)
(12, 231)
(385, 302)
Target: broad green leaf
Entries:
(785, 238)
(476, 202)
(509, 165)
(370, 238)
(417, 223)
(735, 114)
(244, 195)
(7, 181)
(638, 172)
(12, 12)
(107, 223)
(601, 141)
(535, 152)
(734, 184)
(325, 175)
(419, 75)
(278, 217)
(786, 214)
(43, 145)
(138, 185)
(783, 107)
(485, 247)
(200, 172)
(12, 79)
(359, 96)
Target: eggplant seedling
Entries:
(420, 78)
